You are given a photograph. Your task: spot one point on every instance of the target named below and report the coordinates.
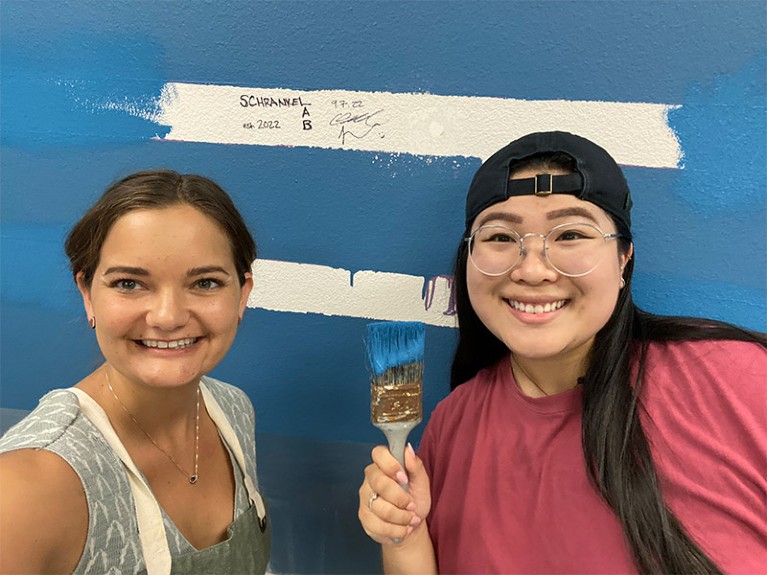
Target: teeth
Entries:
(174, 344)
(538, 308)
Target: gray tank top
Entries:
(112, 545)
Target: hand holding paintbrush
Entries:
(395, 357)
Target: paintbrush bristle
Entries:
(395, 354)
(394, 343)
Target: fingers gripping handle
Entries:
(396, 434)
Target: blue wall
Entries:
(699, 231)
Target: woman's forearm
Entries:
(415, 555)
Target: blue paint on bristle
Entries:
(393, 343)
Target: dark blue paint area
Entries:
(311, 488)
(676, 237)
(34, 269)
(722, 126)
(350, 210)
(42, 349)
(307, 374)
(677, 295)
(79, 89)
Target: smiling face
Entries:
(534, 310)
(165, 296)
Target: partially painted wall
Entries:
(347, 133)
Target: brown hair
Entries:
(156, 189)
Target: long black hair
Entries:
(615, 447)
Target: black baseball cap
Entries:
(597, 179)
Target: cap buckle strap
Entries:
(539, 188)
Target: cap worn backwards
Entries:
(598, 178)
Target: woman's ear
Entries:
(245, 290)
(85, 292)
(626, 256)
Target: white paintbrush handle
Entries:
(396, 434)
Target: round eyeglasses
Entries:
(573, 250)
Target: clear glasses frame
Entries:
(523, 248)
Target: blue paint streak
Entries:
(58, 91)
(394, 343)
(722, 127)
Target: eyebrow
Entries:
(207, 270)
(574, 211)
(126, 270)
(144, 273)
(511, 218)
(502, 216)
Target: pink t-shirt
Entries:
(510, 491)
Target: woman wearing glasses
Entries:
(582, 435)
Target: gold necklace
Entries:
(195, 476)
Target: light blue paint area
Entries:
(722, 127)
(674, 295)
(393, 344)
(551, 49)
(79, 89)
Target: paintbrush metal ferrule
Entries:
(395, 395)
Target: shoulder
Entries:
(231, 398)
(33, 512)
(712, 352)
(722, 360)
(53, 416)
(712, 382)
(236, 406)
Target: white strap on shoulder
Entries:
(151, 528)
(226, 431)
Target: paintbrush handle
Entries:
(396, 434)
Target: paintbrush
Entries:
(395, 357)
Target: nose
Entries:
(168, 310)
(532, 266)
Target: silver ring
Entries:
(372, 498)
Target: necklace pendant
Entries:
(193, 479)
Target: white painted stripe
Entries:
(636, 134)
(309, 288)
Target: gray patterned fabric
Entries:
(112, 545)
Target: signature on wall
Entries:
(358, 125)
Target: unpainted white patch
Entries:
(310, 288)
(636, 134)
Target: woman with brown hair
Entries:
(147, 464)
